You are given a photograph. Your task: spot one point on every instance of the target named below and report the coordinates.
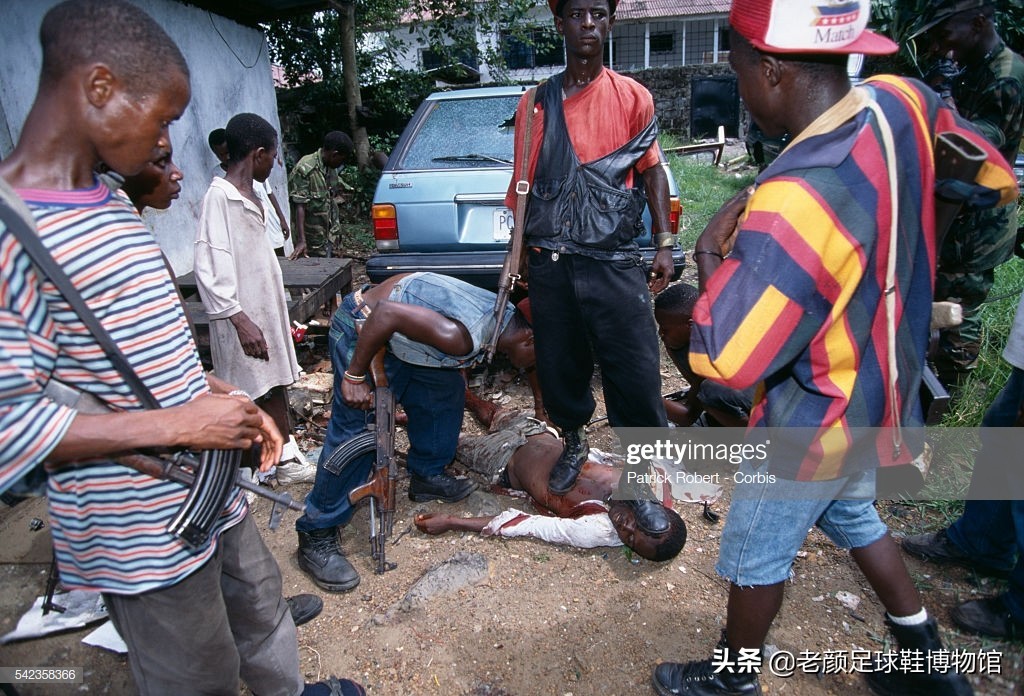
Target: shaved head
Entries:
(112, 32)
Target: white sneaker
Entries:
(248, 473)
(294, 467)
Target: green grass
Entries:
(703, 188)
(992, 371)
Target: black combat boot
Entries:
(322, 559)
(893, 682)
(567, 468)
(737, 678)
(650, 515)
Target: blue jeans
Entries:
(768, 521)
(992, 531)
(433, 398)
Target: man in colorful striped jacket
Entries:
(794, 277)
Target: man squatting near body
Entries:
(432, 327)
(797, 307)
(705, 402)
(518, 453)
(588, 292)
(195, 619)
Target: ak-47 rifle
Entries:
(514, 256)
(380, 489)
(210, 477)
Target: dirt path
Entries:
(544, 619)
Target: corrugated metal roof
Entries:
(650, 9)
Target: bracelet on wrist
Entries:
(240, 392)
(710, 253)
(663, 240)
(354, 379)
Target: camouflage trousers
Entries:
(320, 241)
(977, 242)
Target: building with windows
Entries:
(647, 34)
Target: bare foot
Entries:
(433, 523)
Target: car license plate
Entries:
(502, 224)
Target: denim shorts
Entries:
(767, 523)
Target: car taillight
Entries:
(675, 210)
(385, 222)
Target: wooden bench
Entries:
(310, 284)
(716, 148)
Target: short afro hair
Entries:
(336, 141)
(248, 132)
(680, 297)
(113, 32)
(217, 137)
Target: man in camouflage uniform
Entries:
(312, 186)
(989, 92)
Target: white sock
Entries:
(912, 620)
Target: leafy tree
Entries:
(334, 57)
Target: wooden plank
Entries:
(318, 282)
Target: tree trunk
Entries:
(350, 76)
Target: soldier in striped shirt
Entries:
(196, 619)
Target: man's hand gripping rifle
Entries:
(380, 489)
(210, 476)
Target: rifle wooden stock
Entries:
(380, 489)
(958, 159)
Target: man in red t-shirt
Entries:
(593, 165)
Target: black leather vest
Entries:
(584, 208)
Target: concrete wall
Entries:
(230, 74)
(671, 89)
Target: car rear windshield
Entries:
(461, 133)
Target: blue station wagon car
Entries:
(439, 205)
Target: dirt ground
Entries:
(542, 619)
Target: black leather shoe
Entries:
(334, 687)
(921, 639)
(567, 468)
(703, 678)
(304, 607)
(650, 516)
(447, 489)
(988, 617)
(321, 558)
(937, 548)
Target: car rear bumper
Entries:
(480, 268)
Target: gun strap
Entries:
(513, 257)
(48, 268)
(522, 183)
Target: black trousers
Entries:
(587, 310)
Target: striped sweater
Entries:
(797, 308)
(108, 521)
